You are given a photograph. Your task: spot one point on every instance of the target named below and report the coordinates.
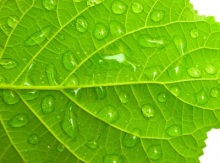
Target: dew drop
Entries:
(194, 72)
(69, 61)
(51, 74)
(19, 120)
(148, 110)
(176, 71)
(124, 97)
(92, 144)
(202, 98)
(2, 80)
(81, 24)
(10, 97)
(174, 130)
(147, 41)
(137, 7)
(49, 4)
(33, 139)
(100, 31)
(180, 43)
(113, 158)
(94, 2)
(175, 90)
(154, 152)
(29, 94)
(130, 140)
(8, 63)
(194, 33)
(157, 15)
(118, 7)
(38, 37)
(116, 29)
(153, 72)
(72, 81)
(117, 57)
(60, 147)
(215, 92)
(48, 104)
(13, 21)
(69, 122)
(109, 114)
(162, 97)
(210, 69)
(101, 92)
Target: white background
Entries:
(212, 149)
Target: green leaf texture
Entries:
(107, 81)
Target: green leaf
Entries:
(106, 81)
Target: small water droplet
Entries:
(48, 104)
(176, 71)
(29, 94)
(194, 33)
(6, 29)
(38, 37)
(10, 97)
(215, 92)
(69, 122)
(202, 97)
(92, 144)
(157, 15)
(51, 74)
(72, 81)
(118, 7)
(124, 97)
(137, 7)
(60, 147)
(49, 4)
(116, 28)
(162, 97)
(100, 31)
(101, 92)
(2, 80)
(153, 72)
(154, 152)
(148, 110)
(94, 2)
(147, 41)
(130, 140)
(113, 158)
(13, 21)
(175, 90)
(8, 63)
(33, 139)
(19, 120)
(174, 130)
(194, 72)
(180, 43)
(109, 114)
(210, 69)
(81, 24)
(69, 61)
(61, 36)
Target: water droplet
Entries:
(116, 29)
(194, 72)
(94, 2)
(215, 92)
(148, 110)
(72, 81)
(38, 37)
(92, 144)
(176, 70)
(69, 61)
(60, 147)
(101, 92)
(48, 104)
(117, 57)
(69, 122)
(33, 139)
(19, 120)
(180, 43)
(8, 63)
(113, 158)
(162, 97)
(130, 140)
(153, 72)
(100, 31)
(210, 69)
(147, 41)
(51, 74)
(109, 114)
(13, 21)
(49, 4)
(174, 130)
(10, 97)
(202, 97)
(194, 33)
(81, 24)
(118, 7)
(2, 80)
(137, 7)
(124, 97)
(157, 15)
(175, 90)
(29, 94)
(154, 152)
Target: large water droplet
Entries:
(148, 110)
(117, 57)
(130, 140)
(69, 122)
(100, 31)
(174, 130)
(81, 24)
(101, 92)
(210, 69)
(93, 2)
(124, 97)
(19, 120)
(48, 104)
(154, 152)
(153, 72)
(69, 61)
(116, 29)
(202, 97)
(13, 21)
(194, 72)
(175, 90)
(33, 139)
(92, 144)
(8, 63)
(51, 74)
(38, 37)
(72, 81)
(137, 7)
(109, 114)
(194, 33)
(180, 43)
(60, 147)
(162, 97)
(147, 41)
(113, 158)
(157, 15)
(118, 7)
(215, 92)
(10, 97)
(29, 94)
(49, 4)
